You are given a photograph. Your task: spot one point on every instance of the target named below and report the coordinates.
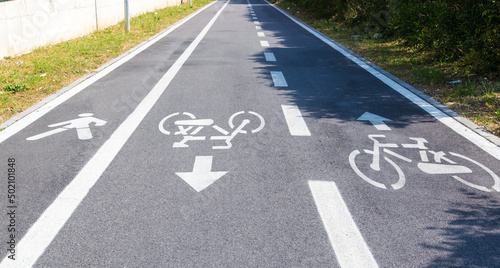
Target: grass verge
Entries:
(475, 98)
(29, 78)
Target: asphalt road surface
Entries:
(242, 138)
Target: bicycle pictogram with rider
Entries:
(368, 164)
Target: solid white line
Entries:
(269, 56)
(295, 121)
(347, 242)
(466, 132)
(261, 34)
(264, 43)
(41, 234)
(35, 115)
(278, 79)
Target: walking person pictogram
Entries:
(82, 126)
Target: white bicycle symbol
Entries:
(191, 126)
(442, 164)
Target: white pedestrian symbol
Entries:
(82, 126)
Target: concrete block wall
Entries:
(28, 24)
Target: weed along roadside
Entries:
(450, 81)
(27, 79)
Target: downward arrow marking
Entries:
(377, 121)
(202, 175)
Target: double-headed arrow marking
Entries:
(202, 176)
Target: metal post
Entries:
(127, 17)
(96, 18)
(190, 4)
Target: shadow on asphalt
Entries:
(471, 238)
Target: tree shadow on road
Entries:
(472, 237)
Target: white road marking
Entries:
(295, 121)
(496, 185)
(256, 22)
(269, 56)
(35, 115)
(81, 125)
(258, 27)
(278, 79)
(45, 229)
(202, 175)
(347, 242)
(254, 18)
(261, 34)
(264, 43)
(352, 162)
(464, 131)
(375, 120)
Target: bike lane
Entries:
(433, 219)
(46, 165)
(421, 223)
(261, 212)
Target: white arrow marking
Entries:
(202, 175)
(377, 121)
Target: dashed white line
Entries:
(347, 242)
(278, 79)
(264, 43)
(45, 229)
(261, 34)
(269, 56)
(258, 27)
(256, 22)
(295, 121)
(254, 18)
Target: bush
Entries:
(466, 30)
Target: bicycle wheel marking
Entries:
(352, 158)
(496, 185)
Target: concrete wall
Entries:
(28, 24)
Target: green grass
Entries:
(29, 78)
(475, 97)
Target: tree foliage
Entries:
(463, 30)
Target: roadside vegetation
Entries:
(448, 49)
(29, 78)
